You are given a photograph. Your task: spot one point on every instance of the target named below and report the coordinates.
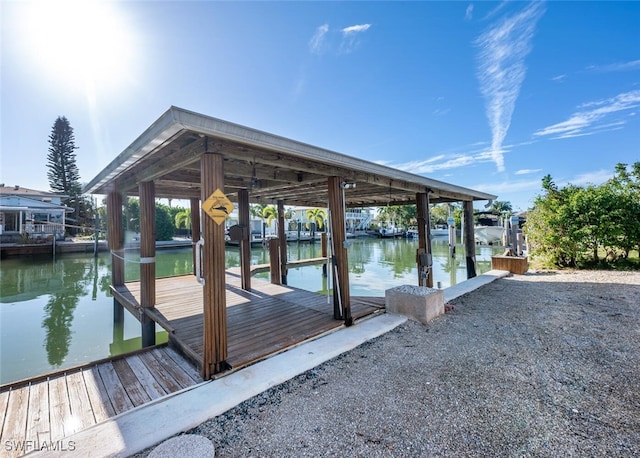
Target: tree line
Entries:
(574, 226)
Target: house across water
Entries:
(29, 213)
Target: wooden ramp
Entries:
(260, 322)
(41, 413)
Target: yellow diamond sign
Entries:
(217, 206)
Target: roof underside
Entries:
(272, 168)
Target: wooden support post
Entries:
(282, 236)
(115, 237)
(147, 194)
(274, 261)
(245, 243)
(323, 251)
(424, 256)
(118, 321)
(195, 228)
(469, 239)
(214, 289)
(341, 296)
(147, 244)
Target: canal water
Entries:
(58, 313)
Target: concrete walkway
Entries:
(152, 423)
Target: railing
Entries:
(43, 228)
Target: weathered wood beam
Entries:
(165, 161)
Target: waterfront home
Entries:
(30, 213)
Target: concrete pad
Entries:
(474, 283)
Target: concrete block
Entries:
(417, 302)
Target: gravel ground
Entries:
(543, 364)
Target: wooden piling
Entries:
(341, 295)
(147, 259)
(274, 261)
(282, 236)
(245, 243)
(469, 239)
(424, 257)
(195, 228)
(214, 289)
(115, 237)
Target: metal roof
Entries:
(271, 167)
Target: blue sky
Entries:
(487, 95)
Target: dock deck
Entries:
(261, 322)
(42, 412)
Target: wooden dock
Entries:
(261, 322)
(39, 414)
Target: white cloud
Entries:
(501, 70)
(558, 78)
(593, 117)
(596, 178)
(350, 37)
(616, 67)
(355, 29)
(317, 42)
(468, 14)
(507, 187)
(445, 162)
(527, 171)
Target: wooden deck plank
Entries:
(15, 424)
(81, 412)
(4, 401)
(116, 392)
(269, 316)
(146, 378)
(59, 409)
(168, 383)
(130, 382)
(167, 363)
(255, 321)
(38, 428)
(183, 364)
(100, 402)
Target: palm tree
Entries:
(316, 216)
(269, 213)
(183, 219)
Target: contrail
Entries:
(501, 70)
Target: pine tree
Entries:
(63, 172)
(64, 177)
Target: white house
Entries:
(33, 212)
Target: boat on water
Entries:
(488, 235)
(440, 230)
(437, 231)
(391, 231)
